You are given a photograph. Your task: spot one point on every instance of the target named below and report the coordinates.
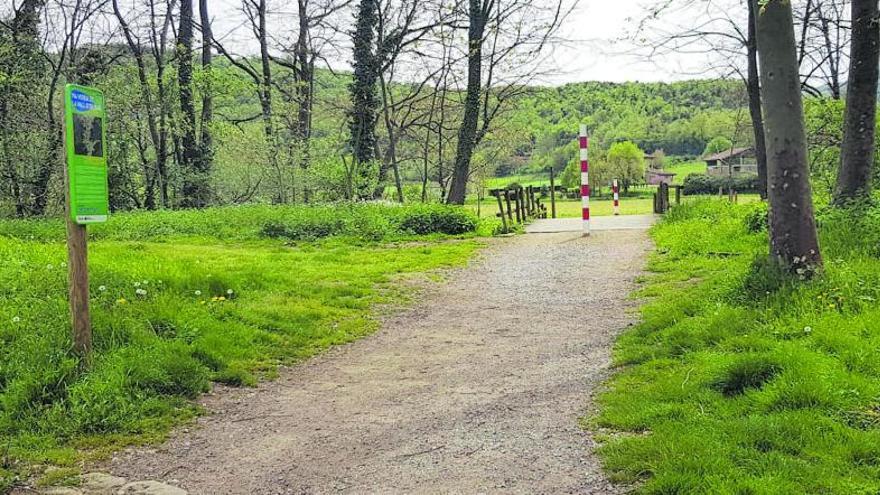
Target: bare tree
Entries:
(794, 243)
(505, 43)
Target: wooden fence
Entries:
(518, 205)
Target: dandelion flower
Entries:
(102, 288)
(49, 266)
(16, 319)
(808, 329)
(121, 300)
(137, 284)
(198, 293)
(141, 292)
(221, 298)
(229, 291)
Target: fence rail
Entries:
(519, 205)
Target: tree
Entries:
(753, 87)
(195, 175)
(794, 243)
(718, 144)
(510, 38)
(626, 163)
(857, 149)
(205, 140)
(364, 101)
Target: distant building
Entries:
(732, 162)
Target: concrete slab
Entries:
(622, 222)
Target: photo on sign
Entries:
(88, 135)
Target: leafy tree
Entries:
(717, 145)
(626, 163)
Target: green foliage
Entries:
(371, 222)
(732, 385)
(757, 218)
(625, 162)
(220, 303)
(717, 144)
(695, 184)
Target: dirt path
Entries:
(476, 389)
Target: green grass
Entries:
(181, 299)
(736, 382)
(682, 170)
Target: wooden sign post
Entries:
(87, 197)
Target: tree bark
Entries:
(857, 149)
(753, 88)
(195, 177)
(467, 135)
(793, 239)
(206, 142)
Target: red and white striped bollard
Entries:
(584, 142)
(616, 190)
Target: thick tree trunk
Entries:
(362, 119)
(195, 177)
(205, 141)
(857, 149)
(753, 87)
(793, 239)
(467, 135)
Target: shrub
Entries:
(707, 184)
(757, 218)
(437, 220)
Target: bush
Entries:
(707, 184)
(437, 220)
(757, 218)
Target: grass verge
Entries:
(183, 299)
(736, 382)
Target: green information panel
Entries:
(86, 154)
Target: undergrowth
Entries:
(740, 380)
(183, 299)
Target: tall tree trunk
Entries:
(857, 149)
(206, 154)
(793, 239)
(305, 90)
(362, 119)
(195, 177)
(753, 87)
(467, 135)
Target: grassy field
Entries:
(183, 299)
(737, 383)
(682, 170)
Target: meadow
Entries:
(740, 379)
(185, 298)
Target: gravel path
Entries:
(476, 389)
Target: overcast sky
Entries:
(596, 51)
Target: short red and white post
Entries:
(584, 142)
(616, 190)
